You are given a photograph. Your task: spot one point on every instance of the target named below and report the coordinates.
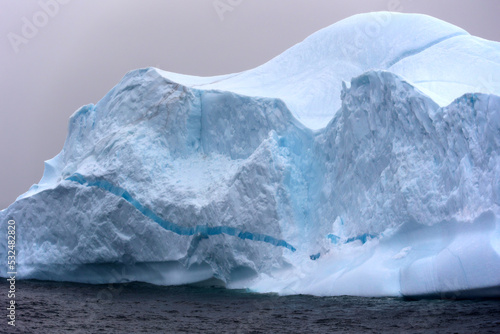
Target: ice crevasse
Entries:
(361, 161)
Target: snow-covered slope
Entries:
(173, 179)
(438, 58)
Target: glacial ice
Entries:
(360, 161)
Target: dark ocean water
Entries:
(53, 307)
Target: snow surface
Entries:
(438, 58)
(284, 178)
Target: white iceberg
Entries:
(284, 178)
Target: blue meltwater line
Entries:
(169, 226)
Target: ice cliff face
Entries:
(172, 179)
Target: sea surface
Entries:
(55, 307)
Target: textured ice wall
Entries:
(148, 188)
(154, 151)
(173, 179)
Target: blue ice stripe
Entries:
(363, 238)
(180, 230)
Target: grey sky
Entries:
(85, 48)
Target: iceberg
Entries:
(363, 161)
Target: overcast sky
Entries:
(82, 48)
